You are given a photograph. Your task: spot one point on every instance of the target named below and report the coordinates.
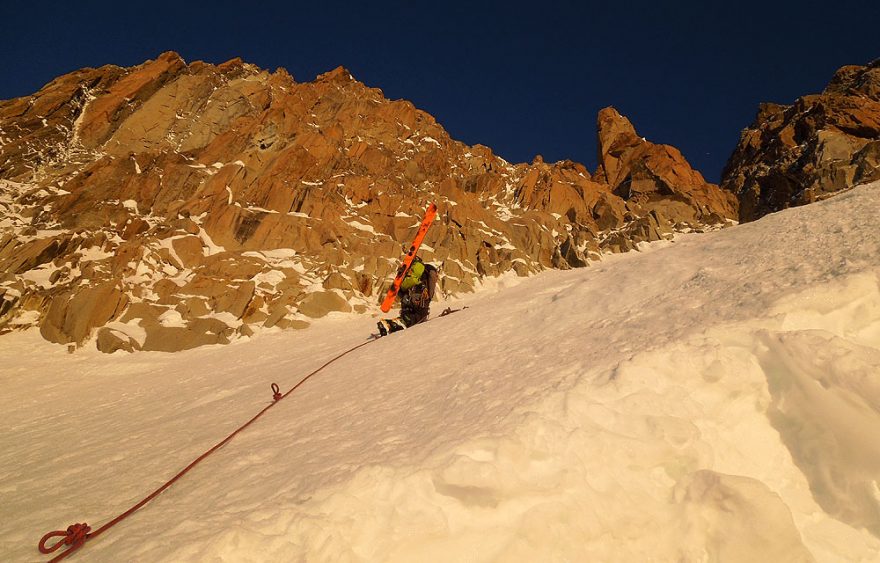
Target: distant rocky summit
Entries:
(656, 179)
(172, 205)
(807, 151)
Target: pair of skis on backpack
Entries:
(388, 326)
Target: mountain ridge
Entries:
(206, 201)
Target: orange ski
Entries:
(410, 256)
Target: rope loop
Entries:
(75, 535)
(276, 392)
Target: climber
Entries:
(416, 292)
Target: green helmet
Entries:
(414, 276)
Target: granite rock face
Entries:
(652, 177)
(823, 143)
(171, 205)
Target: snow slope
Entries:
(713, 399)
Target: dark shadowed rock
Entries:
(109, 341)
(71, 317)
(319, 303)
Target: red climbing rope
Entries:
(77, 535)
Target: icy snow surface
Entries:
(714, 399)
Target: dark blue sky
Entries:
(522, 78)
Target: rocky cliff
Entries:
(171, 205)
(800, 153)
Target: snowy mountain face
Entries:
(715, 398)
(172, 205)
